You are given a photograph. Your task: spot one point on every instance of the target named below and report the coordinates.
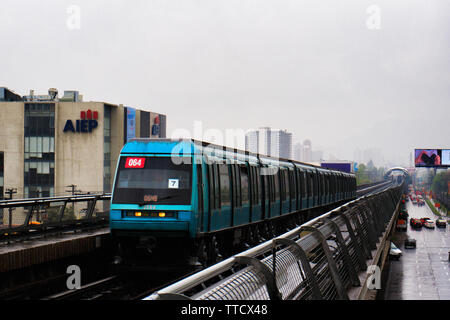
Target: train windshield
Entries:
(153, 180)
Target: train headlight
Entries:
(150, 214)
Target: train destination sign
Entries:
(134, 162)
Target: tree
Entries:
(361, 175)
(440, 182)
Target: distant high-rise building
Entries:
(252, 141)
(272, 142)
(298, 152)
(281, 144)
(307, 151)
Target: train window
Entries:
(216, 186)
(270, 179)
(212, 202)
(304, 176)
(244, 184)
(258, 185)
(200, 191)
(329, 178)
(224, 185)
(329, 182)
(276, 185)
(287, 185)
(316, 184)
(311, 184)
(238, 185)
(254, 185)
(307, 183)
(280, 178)
(251, 184)
(302, 183)
(292, 185)
(136, 185)
(232, 184)
(322, 183)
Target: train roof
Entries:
(214, 150)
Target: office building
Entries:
(272, 142)
(48, 143)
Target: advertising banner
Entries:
(131, 123)
(435, 158)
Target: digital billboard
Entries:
(131, 123)
(445, 158)
(432, 157)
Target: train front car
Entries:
(153, 196)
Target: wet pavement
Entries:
(422, 273)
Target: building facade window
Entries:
(2, 174)
(107, 150)
(39, 150)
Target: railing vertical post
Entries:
(342, 293)
(347, 260)
(272, 289)
(356, 244)
(300, 255)
(360, 231)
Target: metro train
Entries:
(207, 200)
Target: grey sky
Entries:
(311, 67)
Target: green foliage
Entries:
(433, 208)
(440, 182)
(369, 173)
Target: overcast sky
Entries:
(344, 74)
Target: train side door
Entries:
(236, 216)
(266, 193)
(201, 219)
(213, 221)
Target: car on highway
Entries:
(410, 243)
(403, 214)
(425, 219)
(415, 223)
(394, 253)
(441, 223)
(401, 225)
(429, 224)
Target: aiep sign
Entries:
(87, 123)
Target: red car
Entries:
(416, 223)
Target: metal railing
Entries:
(35, 216)
(366, 189)
(320, 259)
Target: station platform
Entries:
(24, 254)
(422, 273)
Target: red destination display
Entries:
(134, 162)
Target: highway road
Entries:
(422, 273)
